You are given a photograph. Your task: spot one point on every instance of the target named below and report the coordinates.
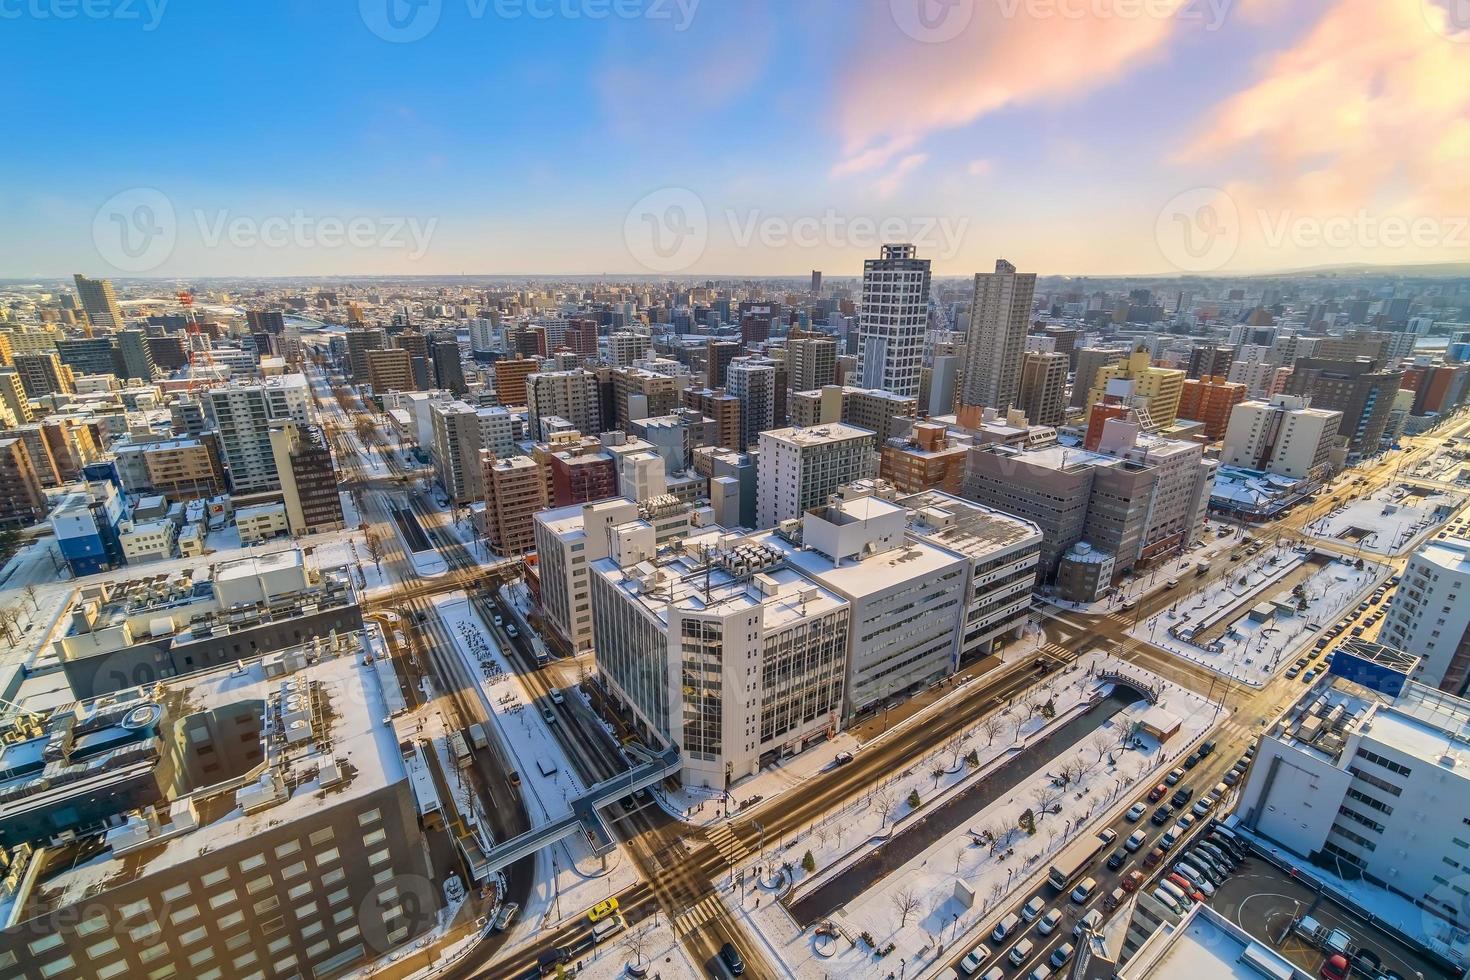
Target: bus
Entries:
(1074, 857)
(461, 750)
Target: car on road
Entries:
(1084, 891)
(1154, 857)
(1193, 760)
(497, 620)
(1117, 859)
(1021, 952)
(1307, 677)
(1202, 807)
(842, 758)
(1173, 583)
(1206, 748)
(1292, 672)
(1132, 880)
(548, 961)
(1061, 955)
(1033, 908)
(1005, 927)
(1107, 835)
(556, 696)
(1091, 920)
(1172, 835)
(1135, 841)
(730, 956)
(549, 716)
(1174, 776)
(1049, 922)
(511, 631)
(505, 916)
(1161, 816)
(1181, 796)
(975, 959)
(1135, 812)
(602, 909)
(1157, 793)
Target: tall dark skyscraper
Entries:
(100, 302)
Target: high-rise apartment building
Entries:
(15, 407)
(723, 409)
(1359, 389)
(752, 380)
(875, 409)
(89, 355)
(570, 395)
(510, 379)
(22, 499)
(44, 374)
(811, 362)
(1000, 315)
(798, 468)
(1430, 618)
(1210, 400)
(390, 369)
(359, 342)
(135, 355)
(456, 445)
(1090, 360)
(448, 365)
(515, 491)
(624, 347)
(894, 320)
(1043, 389)
(100, 302)
(242, 413)
(308, 479)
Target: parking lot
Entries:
(1263, 900)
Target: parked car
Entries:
(975, 959)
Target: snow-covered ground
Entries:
(1388, 522)
(846, 834)
(569, 878)
(1250, 651)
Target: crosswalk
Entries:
(725, 841)
(1056, 651)
(698, 914)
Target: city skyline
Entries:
(1212, 138)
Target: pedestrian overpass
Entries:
(585, 816)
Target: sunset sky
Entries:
(556, 136)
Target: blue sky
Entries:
(515, 141)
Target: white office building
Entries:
(907, 597)
(893, 320)
(798, 468)
(242, 414)
(1283, 436)
(1372, 784)
(720, 648)
(1430, 615)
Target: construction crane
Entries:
(198, 344)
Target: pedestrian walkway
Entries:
(698, 914)
(725, 841)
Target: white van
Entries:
(1021, 951)
(1176, 893)
(1084, 890)
(1167, 901)
(1042, 972)
(1004, 927)
(612, 924)
(1033, 908)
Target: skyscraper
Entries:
(999, 316)
(99, 301)
(894, 319)
(753, 381)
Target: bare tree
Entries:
(636, 942)
(374, 546)
(885, 802)
(937, 775)
(991, 726)
(30, 591)
(1045, 797)
(8, 623)
(956, 748)
(1070, 772)
(905, 903)
(1100, 744)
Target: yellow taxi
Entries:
(602, 909)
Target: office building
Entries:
(799, 467)
(1362, 392)
(1043, 387)
(444, 355)
(752, 381)
(894, 319)
(135, 355)
(1210, 400)
(882, 412)
(723, 409)
(570, 395)
(100, 303)
(15, 407)
(89, 355)
(252, 819)
(1000, 315)
(568, 541)
(85, 525)
(625, 348)
(1369, 774)
(702, 645)
(1283, 436)
(309, 489)
(639, 394)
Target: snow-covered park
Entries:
(913, 911)
(1388, 522)
(1247, 625)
